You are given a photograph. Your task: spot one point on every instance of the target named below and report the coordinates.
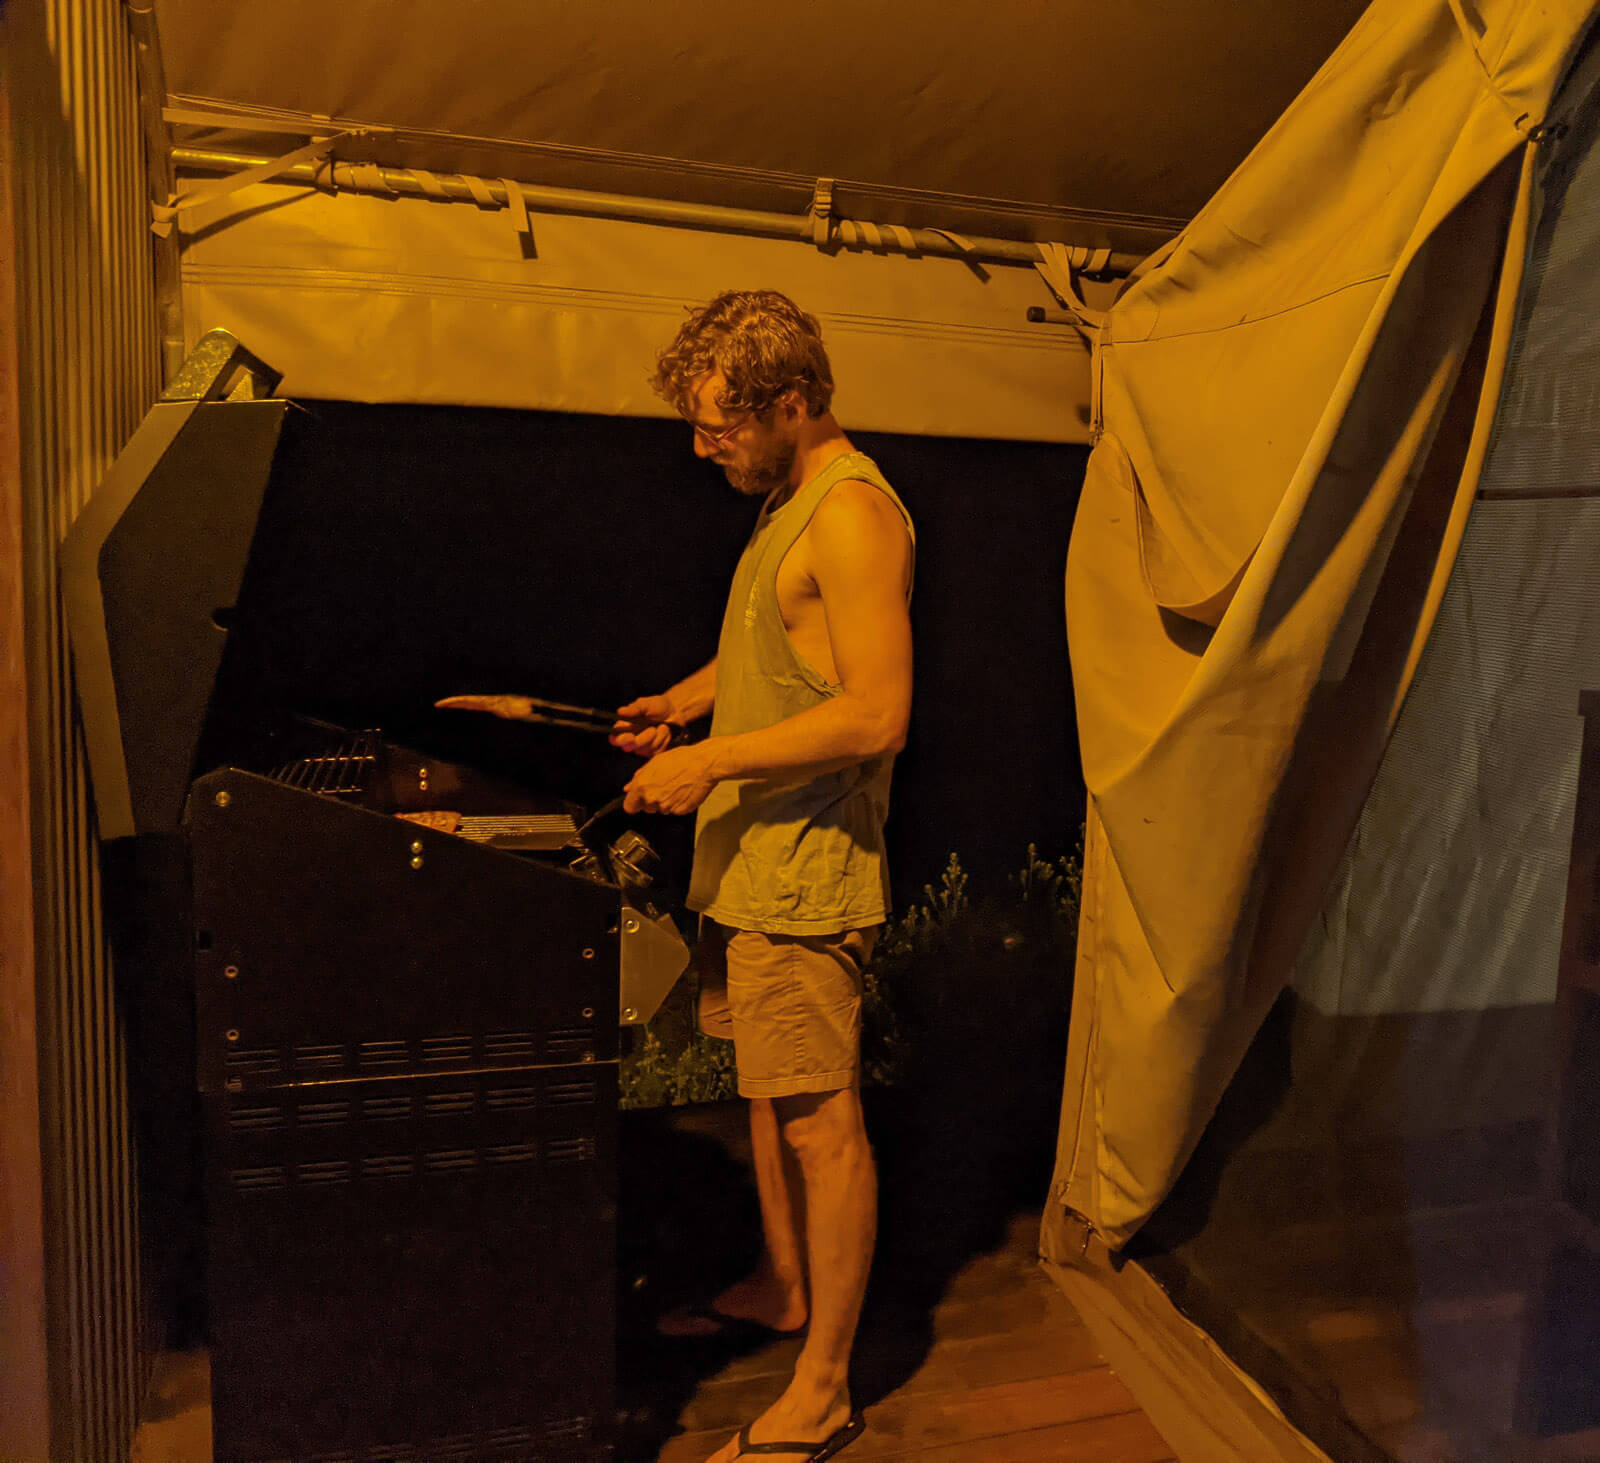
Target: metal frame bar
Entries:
(456, 187)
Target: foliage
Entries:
(960, 977)
(699, 1070)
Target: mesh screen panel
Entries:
(1392, 1222)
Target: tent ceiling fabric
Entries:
(1135, 110)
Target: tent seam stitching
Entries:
(1258, 319)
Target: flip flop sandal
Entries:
(827, 1448)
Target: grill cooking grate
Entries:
(520, 830)
(346, 768)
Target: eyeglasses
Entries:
(716, 439)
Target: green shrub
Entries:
(955, 971)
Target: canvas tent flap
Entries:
(1295, 403)
(1297, 249)
(380, 299)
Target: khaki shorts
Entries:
(791, 1005)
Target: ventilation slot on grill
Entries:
(569, 1094)
(317, 1175)
(499, 1044)
(574, 1427)
(450, 1160)
(254, 1059)
(388, 1166)
(568, 1040)
(570, 1150)
(442, 1104)
(259, 1178)
(511, 1153)
(505, 1099)
(322, 1114)
(382, 1054)
(318, 1058)
(385, 1109)
(446, 1048)
(255, 1119)
(507, 1437)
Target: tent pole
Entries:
(454, 187)
(158, 169)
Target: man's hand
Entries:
(511, 708)
(676, 781)
(644, 727)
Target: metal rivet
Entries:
(588, 1056)
(631, 925)
(232, 972)
(233, 1036)
(416, 847)
(588, 1013)
(627, 1013)
(422, 772)
(222, 799)
(416, 863)
(588, 952)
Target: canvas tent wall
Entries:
(1280, 547)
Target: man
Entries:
(810, 693)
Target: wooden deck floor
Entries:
(1011, 1376)
(967, 1352)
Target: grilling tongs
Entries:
(593, 719)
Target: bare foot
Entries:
(763, 1298)
(760, 1299)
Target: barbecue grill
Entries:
(407, 983)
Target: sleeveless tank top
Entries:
(788, 858)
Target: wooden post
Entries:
(24, 1394)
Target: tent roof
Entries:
(1034, 114)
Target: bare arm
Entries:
(861, 559)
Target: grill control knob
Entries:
(634, 858)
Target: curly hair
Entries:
(763, 344)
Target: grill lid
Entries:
(151, 571)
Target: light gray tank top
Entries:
(792, 858)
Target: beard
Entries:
(766, 469)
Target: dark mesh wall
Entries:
(1393, 1221)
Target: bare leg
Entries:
(775, 1294)
(828, 1137)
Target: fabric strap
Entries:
(1060, 265)
(164, 215)
(519, 214)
